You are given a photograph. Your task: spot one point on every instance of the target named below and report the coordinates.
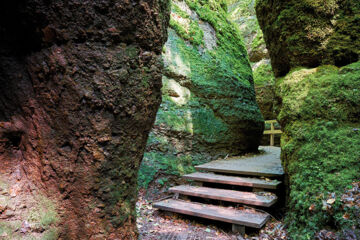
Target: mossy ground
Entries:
(320, 113)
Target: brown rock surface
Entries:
(80, 86)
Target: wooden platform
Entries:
(267, 164)
(232, 180)
(257, 199)
(249, 218)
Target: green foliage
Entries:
(263, 75)
(155, 163)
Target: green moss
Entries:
(43, 214)
(325, 92)
(185, 26)
(51, 234)
(209, 103)
(310, 33)
(263, 75)
(165, 163)
(319, 113)
(322, 159)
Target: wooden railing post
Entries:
(272, 131)
(272, 135)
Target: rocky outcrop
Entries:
(242, 13)
(318, 110)
(209, 108)
(310, 33)
(80, 86)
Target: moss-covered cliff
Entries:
(209, 108)
(319, 109)
(310, 32)
(242, 13)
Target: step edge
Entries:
(235, 200)
(263, 174)
(258, 185)
(247, 224)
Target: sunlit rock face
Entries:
(209, 108)
(242, 13)
(314, 49)
(80, 88)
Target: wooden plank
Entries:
(270, 121)
(267, 164)
(256, 199)
(272, 132)
(231, 180)
(246, 217)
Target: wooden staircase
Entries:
(249, 173)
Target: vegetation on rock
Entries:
(310, 33)
(209, 108)
(320, 110)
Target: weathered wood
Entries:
(267, 164)
(272, 131)
(246, 217)
(275, 131)
(271, 121)
(232, 180)
(256, 199)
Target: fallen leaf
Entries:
(346, 216)
(312, 207)
(330, 201)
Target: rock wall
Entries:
(318, 110)
(242, 13)
(310, 33)
(209, 108)
(80, 87)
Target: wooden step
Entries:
(246, 217)
(230, 180)
(267, 164)
(264, 199)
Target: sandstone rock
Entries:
(73, 73)
(317, 105)
(310, 33)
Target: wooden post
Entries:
(272, 135)
(272, 131)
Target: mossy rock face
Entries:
(242, 13)
(319, 112)
(310, 33)
(209, 107)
